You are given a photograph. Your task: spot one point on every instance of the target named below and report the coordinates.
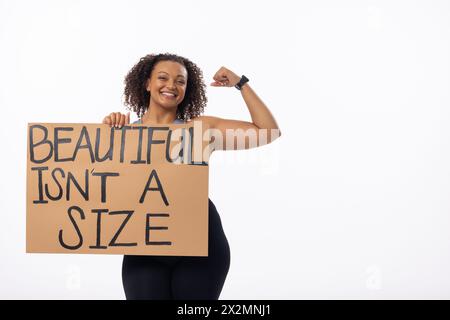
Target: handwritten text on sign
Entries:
(139, 190)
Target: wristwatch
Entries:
(241, 82)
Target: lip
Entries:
(168, 97)
(174, 93)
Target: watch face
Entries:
(241, 82)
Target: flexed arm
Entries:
(263, 126)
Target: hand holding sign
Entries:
(117, 119)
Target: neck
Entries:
(158, 115)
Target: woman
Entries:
(167, 88)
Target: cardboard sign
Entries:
(140, 190)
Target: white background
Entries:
(351, 202)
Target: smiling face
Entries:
(167, 84)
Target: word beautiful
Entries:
(141, 140)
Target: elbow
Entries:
(274, 134)
(267, 135)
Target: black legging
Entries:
(179, 277)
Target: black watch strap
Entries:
(241, 82)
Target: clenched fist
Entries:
(225, 78)
(117, 119)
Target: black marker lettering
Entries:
(85, 192)
(84, 134)
(191, 161)
(159, 188)
(59, 141)
(139, 150)
(60, 194)
(104, 175)
(148, 228)
(43, 141)
(180, 154)
(113, 242)
(150, 141)
(40, 190)
(80, 236)
(109, 154)
(122, 142)
(99, 228)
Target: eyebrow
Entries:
(180, 75)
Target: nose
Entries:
(171, 84)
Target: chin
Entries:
(169, 106)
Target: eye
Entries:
(181, 82)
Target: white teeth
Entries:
(168, 94)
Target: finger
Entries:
(127, 120)
(221, 72)
(219, 84)
(113, 119)
(220, 78)
(107, 120)
(122, 120)
(117, 122)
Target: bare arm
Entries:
(260, 113)
(238, 134)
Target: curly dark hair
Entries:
(137, 98)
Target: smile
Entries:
(168, 95)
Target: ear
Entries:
(147, 85)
